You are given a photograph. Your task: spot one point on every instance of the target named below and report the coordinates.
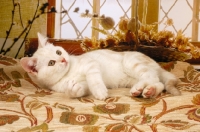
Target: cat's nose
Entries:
(63, 60)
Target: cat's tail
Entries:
(170, 81)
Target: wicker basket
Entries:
(158, 53)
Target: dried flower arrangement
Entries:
(160, 45)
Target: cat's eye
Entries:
(58, 52)
(51, 63)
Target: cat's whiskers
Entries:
(72, 49)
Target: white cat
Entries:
(93, 72)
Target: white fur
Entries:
(95, 71)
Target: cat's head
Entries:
(48, 64)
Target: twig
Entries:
(26, 29)
(20, 15)
(136, 23)
(8, 32)
(34, 17)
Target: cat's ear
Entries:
(28, 64)
(42, 40)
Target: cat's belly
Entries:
(120, 82)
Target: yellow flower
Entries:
(169, 22)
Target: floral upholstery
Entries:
(24, 107)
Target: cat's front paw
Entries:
(75, 89)
(100, 92)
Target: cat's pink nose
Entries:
(63, 60)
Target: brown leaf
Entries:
(7, 60)
(41, 93)
(64, 107)
(177, 124)
(112, 108)
(49, 114)
(16, 75)
(8, 119)
(90, 128)
(78, 118)
(154, 127)
(9, 97)
(117, 127)
(3, 75)
(16, 83)
(168, 65)
(112, 99)
(39, 128)
(142, 110)
(146, 101)
(86, 100)
(35, 104)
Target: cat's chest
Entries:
(75, 71)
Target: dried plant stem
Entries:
(8, 32)
(145, 6)
(20, 15)
(136, 23)
(28, 28)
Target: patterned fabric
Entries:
(24, 107)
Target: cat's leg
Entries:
(76, 89)
(146, 71)
(94, 79)
(96, 85)
(170, 82)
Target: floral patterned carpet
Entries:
(24, 107)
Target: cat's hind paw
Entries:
(136, 93)
(147, 93)
(151, 90)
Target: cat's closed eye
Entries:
(51, 63)
(58, 52)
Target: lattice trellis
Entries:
(185, 10)
(71, 25)
(69, 22)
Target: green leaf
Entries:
(35, 104)
(117, 127)
(16, 75)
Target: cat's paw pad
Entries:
(149, 92)
(75, 89)
(135, 92)
(153, 90)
